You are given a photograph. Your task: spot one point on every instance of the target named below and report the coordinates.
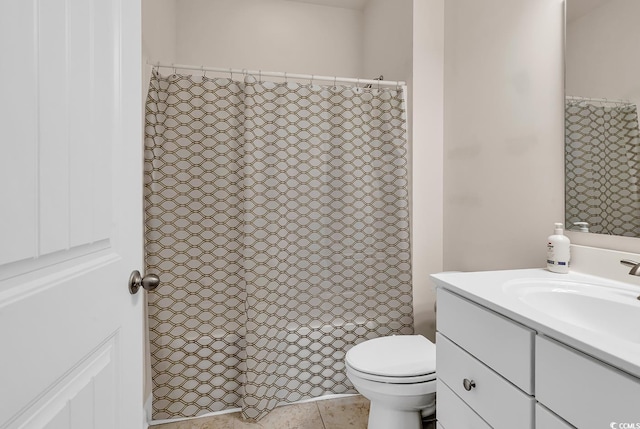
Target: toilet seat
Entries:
(392, 380)
(400, 359)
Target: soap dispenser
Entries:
(582, 226)
(558, 251)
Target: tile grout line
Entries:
(320, 414)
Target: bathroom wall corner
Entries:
(427, 118)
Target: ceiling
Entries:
(345, 4)
(575, 8)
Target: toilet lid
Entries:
(394, 356)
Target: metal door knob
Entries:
(148, 282)
(468, 384)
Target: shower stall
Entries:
(277, 216)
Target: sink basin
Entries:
(604, 309)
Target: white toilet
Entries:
(398, 375)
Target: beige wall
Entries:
(159, 30)
(503, 160)
(273, 35)
(158, 36)
(427, 123)
(387, 39)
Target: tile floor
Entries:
(343, 413)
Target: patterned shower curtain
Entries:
(603, 167)
(277, 217)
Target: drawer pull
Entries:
(468, 384)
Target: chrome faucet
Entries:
(635, 266)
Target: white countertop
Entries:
(486, 289)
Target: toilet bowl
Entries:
(398, 375)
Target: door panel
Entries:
(82, 397)
(53, 128)
(18, 214)
(71, 220)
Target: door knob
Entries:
(148, 282)
(468, 384)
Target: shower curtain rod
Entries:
(597, 100)
(283, 75)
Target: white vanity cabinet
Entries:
(494, 372)
(486, 361)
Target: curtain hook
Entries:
(286, 80)
(335, 84)
(174, 68)
(231, 72)
(260, 76)
(311, 83)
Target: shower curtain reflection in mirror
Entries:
(602, 158)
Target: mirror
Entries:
(602, 143)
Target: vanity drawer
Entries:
(545, 419)
(583, 391)
(502, 344)
(499, 403)
(452, 412)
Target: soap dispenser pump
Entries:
(558, 251)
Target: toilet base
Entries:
(385, 418)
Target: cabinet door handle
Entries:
(468, 384)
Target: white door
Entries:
(71, 339)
